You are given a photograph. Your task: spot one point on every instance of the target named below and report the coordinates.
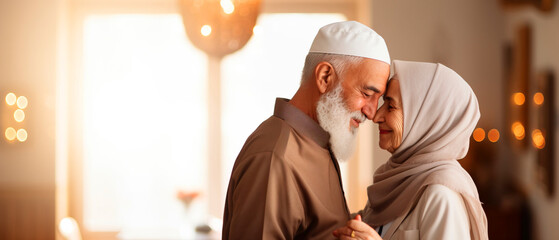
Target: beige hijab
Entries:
(440, 113)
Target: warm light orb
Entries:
(538, 98)
(479, 134)
(206, 30)
(19, 115)
(256, 30)
(21, 102)
(518, 130)
(66, 226)
(10, 134)
(10, 99)
(227, 6)
(493, 135)
(21, 135)
(538, 139)
(518, 98)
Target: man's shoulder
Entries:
(271, 136)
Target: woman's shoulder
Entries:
(440, 205)
(439, 196)
(440, 213)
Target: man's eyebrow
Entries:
(372, 88)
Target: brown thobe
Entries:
(285, 183)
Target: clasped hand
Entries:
(356, 229)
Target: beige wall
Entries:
(469, 36)
(545, 55)
(463, 35)
(27, 67)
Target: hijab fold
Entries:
(440, 114)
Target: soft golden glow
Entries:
(10, 134)
(227, 6)
(21, 102)
(518, 130)
(206, 30)
(256, 30)
(67, 226)
(493, 135)
(19, 115)
(10, 99)
(538, 98)
(479, 134)
(21, 135)
(518, 98)
(538, 139)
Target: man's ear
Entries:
(324, 76)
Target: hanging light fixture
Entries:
(219, 27)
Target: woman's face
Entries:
(390, 118)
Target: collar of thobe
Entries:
(301, 122)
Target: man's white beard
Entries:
(334, 117)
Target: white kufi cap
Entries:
(350, 38)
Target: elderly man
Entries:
(286, 181)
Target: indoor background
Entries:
(121, 119)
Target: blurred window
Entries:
(144, 91)
(145, 110)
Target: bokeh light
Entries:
(227, 6)
(518, 130)
(479, 134)
(256, 30)
(22, 102)
(538, 139)
(538, 98)
(493, 135)
(206, 30)
(10, 133)
(21, 135)
(518, 98)
(19, 115)
(10, 99)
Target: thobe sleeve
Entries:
(265, 202)
(443, 214)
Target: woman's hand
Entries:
(356, 229)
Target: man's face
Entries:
(363, 85)
(351, 102)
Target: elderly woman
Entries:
(422, 192)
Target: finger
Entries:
(344, 231)
(362, 227)
(344, 237)
(358, 217)
(358, 225)
(335, 233)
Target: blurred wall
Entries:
(469, 37)
(463, 35)
(27, 67)
(545, 55)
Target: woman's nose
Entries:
(379, 116)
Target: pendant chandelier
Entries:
(219, 27)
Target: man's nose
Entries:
(369, 110)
